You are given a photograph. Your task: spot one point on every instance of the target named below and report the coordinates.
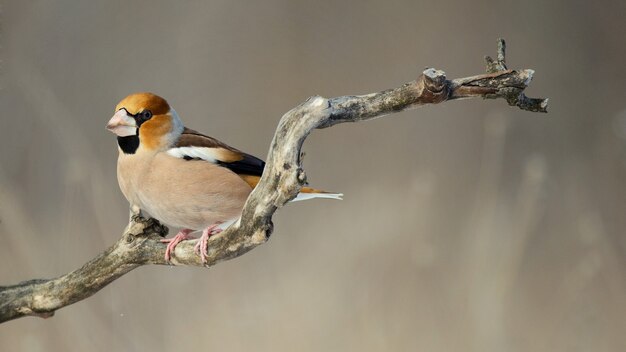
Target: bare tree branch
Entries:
(282, 179)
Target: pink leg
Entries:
(201, 246)
(174, 241)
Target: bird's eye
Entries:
(142, 117)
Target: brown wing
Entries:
(192, 145)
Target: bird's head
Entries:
(145, 120)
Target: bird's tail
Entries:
(310, 193)
(305, 192)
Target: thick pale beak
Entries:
(121, 124)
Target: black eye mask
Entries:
(140, 117)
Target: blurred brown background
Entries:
(469, 226)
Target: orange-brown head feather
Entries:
(137, 102)
(164, 126)
(152, 134)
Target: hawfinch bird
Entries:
(179, 176)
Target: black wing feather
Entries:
(249, 165)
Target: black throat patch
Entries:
(129, 144)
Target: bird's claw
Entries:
(201, 247)
(183, 235)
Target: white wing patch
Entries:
(204, 153)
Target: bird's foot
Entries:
(183, 235)
(201, 246)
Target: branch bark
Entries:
(282, 179)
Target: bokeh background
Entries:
(469, 226)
